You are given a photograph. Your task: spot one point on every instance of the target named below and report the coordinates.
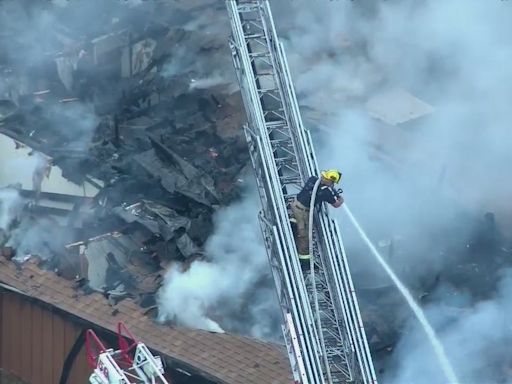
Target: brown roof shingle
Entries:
(228, 358)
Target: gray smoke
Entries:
(408, 183)
(228, 292)
(38, 41)
(43, 237)
(11, 205)
(477, 339)
(202, 55)
(19, 229)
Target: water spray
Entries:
(420, 315)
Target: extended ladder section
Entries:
(322, 324)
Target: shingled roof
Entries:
(226, 358)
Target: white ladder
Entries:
(132, 363)
(283, 157)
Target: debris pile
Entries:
(119, 137)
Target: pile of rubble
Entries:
(127, 141)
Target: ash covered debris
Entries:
(120, 133)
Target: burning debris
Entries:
(119, 141)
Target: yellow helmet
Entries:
(332, 174)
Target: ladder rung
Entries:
(275, 124)
(248, 7)
(265, 90)
(277, 141)
(267, 111)
(265, 73)
(272, 117)
(259, 54)
(254, 36)
(272, 113)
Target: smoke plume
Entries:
(409, 184)
(11, 205)
(225, 293)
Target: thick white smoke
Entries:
(409, 182)
(219, 289)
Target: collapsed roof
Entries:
(117, 147)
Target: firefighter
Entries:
(300, 206)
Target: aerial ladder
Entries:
(132, 363)
(322, 324)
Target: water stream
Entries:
(420, 315)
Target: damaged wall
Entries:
(34, 341)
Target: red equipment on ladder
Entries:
(132, 363)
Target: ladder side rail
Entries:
(311, 374)
(348, 279)
(347, 300)
(283, 84)
(293, 307)
(351, 312)
(339, 330)
(301, 134)
(295, 345)
(304, 138)
(269, 194)
(282, 216)
(320, 322)
(270, 149)
(365, 351)
(311, 153)
(272, 40)
(303, 317)
(290, 90)
(282, 284)
(292, 340)
(267, 155)
(284, 79)
(250, 95)
(273, 44)
(348, 295)
(342, 308)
